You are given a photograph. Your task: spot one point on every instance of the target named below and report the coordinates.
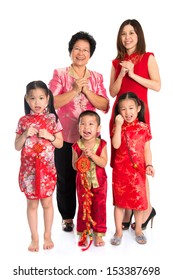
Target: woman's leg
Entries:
(66, 185)
(146, 213)
(127, 215)
(48, 213)
(32, 207)
(138, 221)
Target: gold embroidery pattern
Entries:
(91, 174)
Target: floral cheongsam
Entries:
(40, 151)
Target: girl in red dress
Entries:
(133, 70)
(37, 135)
(133, 160)
(92, 147)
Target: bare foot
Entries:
(34, 246)
(48, 244)
(99, 241)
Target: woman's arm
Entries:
(64, 98)
(99, 102)
(154, 82)
(74, 159)
(115, 85)
(97, 97)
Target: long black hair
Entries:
(39, 84)
(141, 45)
(138, 102)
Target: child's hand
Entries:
(43, 133)
(30, 131)
(119, 120)
(150, 171)
(88, 152)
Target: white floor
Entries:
(16, 238)
(15, 235)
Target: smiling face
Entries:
(80, 53)
(129, 110)
(89, 127)
(129, 38)
(37, 100)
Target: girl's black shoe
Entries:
(151, 217)
(125, 225)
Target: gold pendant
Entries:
(135, 165)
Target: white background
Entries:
(34, 41)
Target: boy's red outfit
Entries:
(98, 181)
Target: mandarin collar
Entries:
(38, 114)
(131, 55)
(127, 124)
(73, 74)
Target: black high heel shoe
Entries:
(144, 225)
(125, 225)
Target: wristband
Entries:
(149, 165)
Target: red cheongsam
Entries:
(129, 183)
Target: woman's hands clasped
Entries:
(81, 85)
(127, 67)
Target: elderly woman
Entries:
(75, 89)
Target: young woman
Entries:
(133, 70)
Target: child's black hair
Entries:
(41, 85)
(139, 102)
(90, 113)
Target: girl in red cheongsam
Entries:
(91, 202)
(37, 135)
(133, 160)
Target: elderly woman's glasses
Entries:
(77, 49)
